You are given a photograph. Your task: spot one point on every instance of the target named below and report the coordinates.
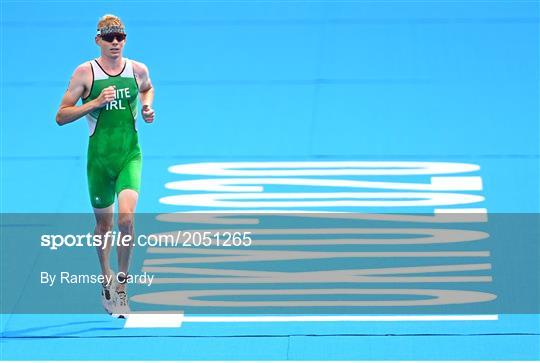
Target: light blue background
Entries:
(399, 80)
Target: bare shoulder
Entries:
(83, 69)
(83, 73)
(142, 76)
(140, 69)
(79, 84)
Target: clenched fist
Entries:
(107, 95)
(148, 113)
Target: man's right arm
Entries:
(68, 111)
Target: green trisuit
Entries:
(114, 155)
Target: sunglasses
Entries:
(110, 37)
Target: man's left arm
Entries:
(146, 91)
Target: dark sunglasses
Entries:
(110, 37)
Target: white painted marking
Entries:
(262, 169)
(286, 168)
(336, 318)
(148, 319)
(413, 236)
(337, 199)
(220, 216)
(175, 320)
(256, 184)
(457, 183)
(461, 210)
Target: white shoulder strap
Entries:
(98, 72)
(128, 70)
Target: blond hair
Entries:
(109, 20)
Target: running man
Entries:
(109, 87)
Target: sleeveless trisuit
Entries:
(114, 154)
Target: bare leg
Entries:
(127, 202)
(104, 222)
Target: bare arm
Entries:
(146, 91)
(68, 111)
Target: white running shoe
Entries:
(107, 295)
(120, 307)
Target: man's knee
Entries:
(103, 227)
(125, 221)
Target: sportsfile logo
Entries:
(55, 242)
(344, 234)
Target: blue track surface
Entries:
(423, 81)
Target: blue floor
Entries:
(388, 81)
